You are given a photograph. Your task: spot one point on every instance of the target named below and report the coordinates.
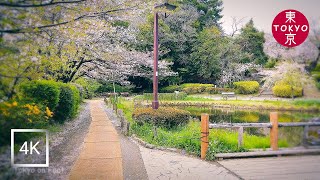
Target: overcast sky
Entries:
(264, 11)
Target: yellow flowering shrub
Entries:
(17, 115)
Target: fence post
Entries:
(305, 136)
(274, 130)
(240, 136)
(204, 134)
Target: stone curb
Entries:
(137, 140)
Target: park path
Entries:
(101, 156)
(169, 165)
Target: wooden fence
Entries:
(273, 125)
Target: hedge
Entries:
(166, 96)
(287, 91)
(212, 90)
(164, 116)
(195, 85)
(61, 98)
(246, 87)
(170, 89)
(69, 100)
(43, 92)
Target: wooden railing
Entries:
(273, 125)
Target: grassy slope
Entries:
(188, 137)
(295, 105)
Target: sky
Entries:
(264, 11)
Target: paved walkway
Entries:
(168, 165)
(292, 167)
(101, 156)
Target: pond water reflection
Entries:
(293, 135)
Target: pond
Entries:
(292, 135)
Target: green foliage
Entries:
(185, 85)
(317, 68)
(89, 86)
(194, 88)
(271, 63)
(124, 24)
(170, 89)
(205, 59)
(166, 96)
(289, 86)
(187, 138)
(69, 100)
(283, 90)
(109, 88)
(252, 41)
(318, 85)
(164, 116)
(212, 12)
(307, 103)
(316, 75)
(212, 90)
(246, 87)
(43, 92)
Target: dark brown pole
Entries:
(155, 102)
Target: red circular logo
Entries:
(290, 28)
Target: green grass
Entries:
(188, 138)
(127, 108)
(307, 103)
(266, 103)
(163, 96)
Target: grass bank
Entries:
(188, 137)
(191, 100)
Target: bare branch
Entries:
(39, 5)
(30, 29)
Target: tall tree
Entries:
(251, 40)
(210, 11)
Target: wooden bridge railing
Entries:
(273, 125)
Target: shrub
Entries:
(282, 90)
(212, 90)
(246, 87)
(191, 90)
(170, 89)
(271, 63)
(69, 101)
(81, 91)
(164, 116)
(109, 88)
(195, 85)
(166, 96)
(43, 92)
(89, 86)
